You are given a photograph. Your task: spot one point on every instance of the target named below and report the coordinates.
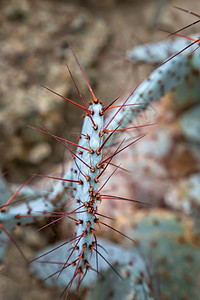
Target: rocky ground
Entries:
(34, 51)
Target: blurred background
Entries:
(34, 51)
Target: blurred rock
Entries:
(34, 51)
(17, 11)
(31, 237)
(39, 153)
(102, 4)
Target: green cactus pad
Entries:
(169, 244)
(111, 287)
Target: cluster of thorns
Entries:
(95, 196)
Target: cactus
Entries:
(28, 212)
(160, 51)
(168, 241)
(5, 195)
(171, 250)
(45, 267)
(135, 284)
(95, 136)
(85, 173)
(188, 89)
(161, 81)
(90, 162)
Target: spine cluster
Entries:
(86, 170)
(89, 163)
